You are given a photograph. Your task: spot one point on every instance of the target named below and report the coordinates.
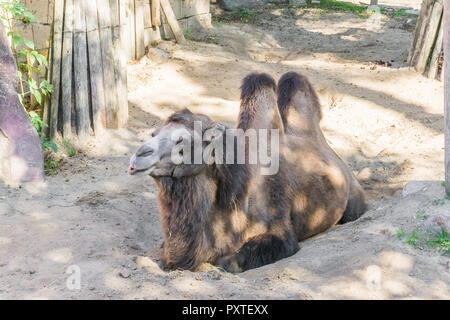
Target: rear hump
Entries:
(288, 85)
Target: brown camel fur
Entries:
(233, 215)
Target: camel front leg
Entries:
(259, 251)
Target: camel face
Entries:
(157, 157)
(177, 149)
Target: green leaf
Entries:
(41, 59)
(23, 54)
(37, 95)
(32, 59)
(20, 99)
(32, 83)
(16, 39)
(29, 43)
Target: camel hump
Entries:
(289, 85)
(258, 102)
(255, 83)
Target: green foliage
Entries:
(17, 10)
(39, 125)
(438, 202)
(339, 6)
(186, 33)
(413, 238)
(400, 233)
(28, 59)
(435, 240)
(440, 240)
(243, 12)
(69, 149)
(51, 167)
(421, 216)
(248, 16)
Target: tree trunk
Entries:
(373, 2)
(447, 94)
(21, 156)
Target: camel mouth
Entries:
(134, 171)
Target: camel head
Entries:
(177, 148)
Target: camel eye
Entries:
(144, 151)
(147, 153)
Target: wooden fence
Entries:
(90, 44)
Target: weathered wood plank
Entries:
(47, 105)
(147, 14)
(429, 38)
(58, 15)
(106, 45)
(132, 30)
(66, 71)
(120, 68)
(420, 31)
(139, 28)
(80, 62)
(95, 69)
(434, 63)
(124, 28)
(172, 20)
(156, 13)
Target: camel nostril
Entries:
(131, 170)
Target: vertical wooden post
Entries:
(156, 13)
(432, 71)
(139, 28)
(80, 63)
(447, 93)
(49, 77)
(66, 71)
(95, 68)
(429, 38)
(106, 45)
(120, 67)
(131, 30)
(58, 15)
(124, 27)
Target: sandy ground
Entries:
(386, 122)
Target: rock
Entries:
(232, 5)
(413, 187)
(157, 55)
(437, 221)
(124, 274)
(297, 3)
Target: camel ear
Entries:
(214, 131)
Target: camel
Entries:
(234, 215)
